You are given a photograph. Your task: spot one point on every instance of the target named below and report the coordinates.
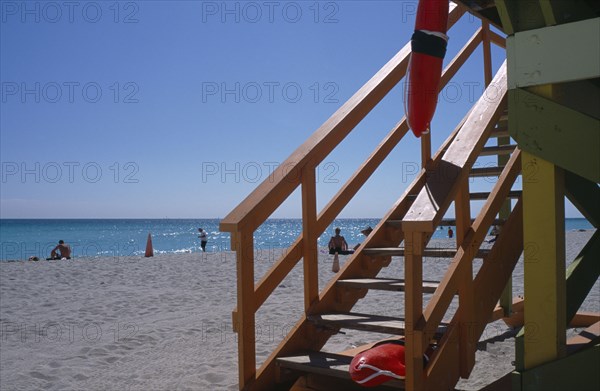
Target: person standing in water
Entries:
(203, 239)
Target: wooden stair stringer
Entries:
(443, 371)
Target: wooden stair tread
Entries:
(500, 132)
(324, 363)
(444, 222)
(486, 171)
(354, 321)
(497, 150)
(590, 335)
(484, 195)
(385, 284)
(428, 252)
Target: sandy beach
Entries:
(164, 323)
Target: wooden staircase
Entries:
(402, 235)
(427, 324)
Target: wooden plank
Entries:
(466, 296)
(385, 284)
(310, 235)
(484, 195)
(244, 323)
(487, 54)
(553, 132)
(462, 211)
(548, 12)
(425, 149)
(433, 201)
(578, 371)
(506, 13)
(443, 370)
(365, 322)
(497, 150)
(414, 242)
(544, 264)
(427, 252)
(443, 222)
(500, 132)
(586, 337)
(534, 60)
(497, 39)
(480, 172)
(582, 274)
(584, 194)
(323, 363)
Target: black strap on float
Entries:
(430, 44)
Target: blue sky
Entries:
(179, 109)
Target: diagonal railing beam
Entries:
(286, 263)
(265, 199)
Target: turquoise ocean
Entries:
(23, 238)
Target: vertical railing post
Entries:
(413, 277)
(466, 298)
(425, 149)
(244, 321)
(487, 53)
(310, 235)
(506, 297)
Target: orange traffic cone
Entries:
(336, 263)
(149, 249)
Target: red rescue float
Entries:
(383, 362)
(429, 43)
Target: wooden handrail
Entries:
(286, 263)
(265, 199)
(433, 201)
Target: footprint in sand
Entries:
(111, 360)
(214, 378)
(41, 376)
(98, 352)
(54, 364)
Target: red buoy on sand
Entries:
(381, 363)
(149, 249)
(429, 43)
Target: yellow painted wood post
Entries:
(309, 233)
(244, 322)
(466, 299)
(413, 307)
(544, 243)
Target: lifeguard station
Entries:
(543, 125)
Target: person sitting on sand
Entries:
(338, 244)
(62, 251)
